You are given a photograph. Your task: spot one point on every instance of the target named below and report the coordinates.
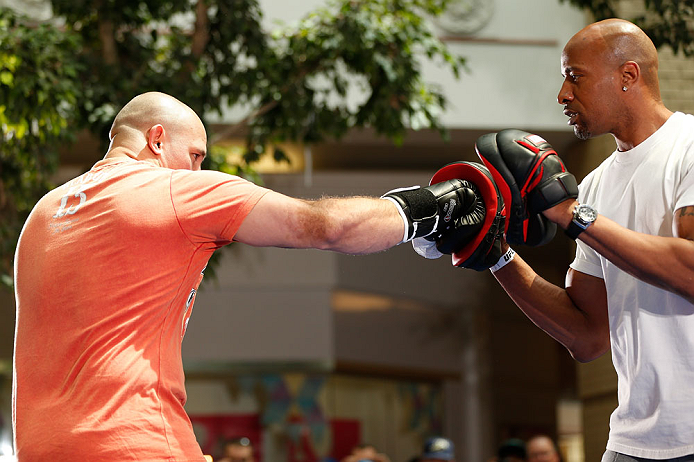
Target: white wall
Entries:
(511, 85)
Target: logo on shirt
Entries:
(71, 202)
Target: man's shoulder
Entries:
(683, 135)
(206, 177)
(686, 115)
(685, 122)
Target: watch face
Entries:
(586, 213)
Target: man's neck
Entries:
(120, 151)
(642, 127)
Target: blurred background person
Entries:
(437, 449)
(238, 450)
(542, 448)
(512, 450)
(366, 453)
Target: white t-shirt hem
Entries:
(650, 453)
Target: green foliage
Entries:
(38, 98)
(299, 78)
(130, 48)
(354, 63)
(371, 49)
(667, 22)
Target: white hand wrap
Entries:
(426, 248)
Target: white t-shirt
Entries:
(651, 329)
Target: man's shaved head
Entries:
(156, 126)
(610, 71)
(618, 41)
(148, 109)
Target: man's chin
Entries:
(581, 132)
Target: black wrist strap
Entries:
(573, 230)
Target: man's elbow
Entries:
(318, 229)
(328, 238)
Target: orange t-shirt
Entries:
(106, 271)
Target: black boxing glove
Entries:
(463, 228)
(474, 240)
(431, 210)
(485, 255)
(531, 178)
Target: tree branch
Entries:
(264, 109)
(108, 41)
(201, 33)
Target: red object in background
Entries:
(346, 434)
(213, 430)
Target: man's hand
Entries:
(435, 209)
(474, 240)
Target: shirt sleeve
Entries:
(210, 206)
(587, 260)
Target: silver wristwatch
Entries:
(584, 216)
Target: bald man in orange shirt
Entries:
(108, 265)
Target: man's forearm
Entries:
(665, 262)
(584, 333)
(356, 225)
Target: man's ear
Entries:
(630, 74)
(155, 139)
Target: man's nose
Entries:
(565, 95)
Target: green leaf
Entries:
(280, 156)
(6, 78)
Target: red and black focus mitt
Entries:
(473, 241)
(531, 178)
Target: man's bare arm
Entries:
(665, 262)
(576, 316)
(356, 225)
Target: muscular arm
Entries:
(356, 225)
(665, 262)
(576, 316)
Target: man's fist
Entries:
(474, 240)
(531, 178)
(431, 210)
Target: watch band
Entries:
(583, 217)
(573, 230)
